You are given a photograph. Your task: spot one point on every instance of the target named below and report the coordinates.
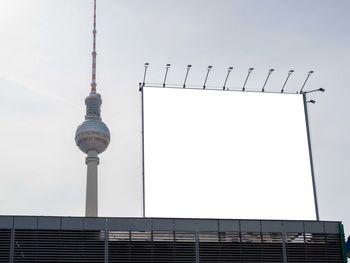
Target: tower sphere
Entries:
(92, 135)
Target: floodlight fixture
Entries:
(167, 66)
(246, 79)
(285, 82)
(315, 90)
(206, 77)
(140, 86)
(145, 72)
(228, 73)
(308, 76)
(187, 70)
(267, 78)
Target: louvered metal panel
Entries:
(240, 247)
(184, 247)
(5, 243)
(91, 240)
(311, 247)
(333, 247)
(151, 246)
(272, 247)
(58, 246)
(229, 246)
(119, 246)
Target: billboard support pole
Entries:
(141, 86)
(310, 156)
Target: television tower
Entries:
(92, 136)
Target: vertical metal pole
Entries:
(284, 249)
(129, 247)
(310, 157)
(12, 242)
(197, 246)
(106, 245)
(143, 152)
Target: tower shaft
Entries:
(91, 206)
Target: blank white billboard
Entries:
(226, 154)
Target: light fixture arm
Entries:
(267, 78)
(228, 73)
(167, 66)
(285, 82)
(187, 70)
(246, 79)
(308, 76)
(206, 77)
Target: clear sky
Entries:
(45, 65)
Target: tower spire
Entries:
(94, 54)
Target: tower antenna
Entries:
(94, 54)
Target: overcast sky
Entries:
(45, 64)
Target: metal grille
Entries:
(59, 246)
(167, 246)
(5, 243)
(306, 247)
(52, 239)
(272, 247)
(240, 247)
(147, 246)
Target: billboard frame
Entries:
(141, 89)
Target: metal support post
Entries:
(143, 152)
(310, 157)
(12, 244)
(197, 246)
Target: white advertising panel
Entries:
(226, 154)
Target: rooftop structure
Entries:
(79, 239)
